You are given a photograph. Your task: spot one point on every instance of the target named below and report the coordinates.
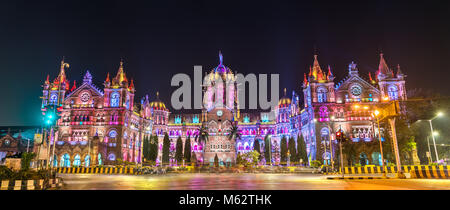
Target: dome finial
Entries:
(220, 57)
(157, 94)
(284, 91)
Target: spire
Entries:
(399, 71)
(284, 92)
(62, 73)
(107, 77)
(74, 86)
(382, 67)
(330, 76)
(220, 58)
(47, 80)
(316, 70)
(131, 85)
(87, 77)
(370, 77)
(120, 76)
(352, 68)
(305, 80)
(310, 71)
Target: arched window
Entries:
(112, 134)
(77, 160)
(87, 161)
(100, 162)
(55, 161)
(393, 92)
(65, 160)
(115, 98)
(321, 94)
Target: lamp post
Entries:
(430, 160)
(376, 113)
(331, 145)
(439, 114)
(270, 149)
(434, 139)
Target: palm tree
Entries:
(202, 137)
(234, 133)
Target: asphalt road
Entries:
(241, 182)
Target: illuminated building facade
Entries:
(105, 124)
(346, 105)
(96, 126)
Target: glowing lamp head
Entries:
(376, 112)
(385, 98)
(435, 133)
(440, 114)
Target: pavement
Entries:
(245, 181)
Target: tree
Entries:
(292, 150)
(267, 149)
(194, 158)
(301, 150)
(234, 133)
(146, 148)
(166, 149)
(179, 150)
(216, 161)
(187, 150)
(153, 148)
(26, 160)
(202, 137)
(283, 150)
(257, 147)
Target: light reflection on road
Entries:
(212, 181)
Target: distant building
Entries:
(15, 140)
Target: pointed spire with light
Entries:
(74, 86)
(305, 80)
(316, 70)
(383, 68)
(131, 88)
(330, 76)
(400, 74)
(120, 80)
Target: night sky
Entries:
(161, 38)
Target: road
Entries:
(241, 182)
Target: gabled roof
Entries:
(85, 86)
(356, 78)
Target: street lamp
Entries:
(439, 114)
(376, 113)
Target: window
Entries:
(65, 160)
(77, 160)
(115, 98)
(393, 92)
(112, 134)
(87, 161)
(321, 95)
(100, 162)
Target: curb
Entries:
(359, 177)
(32, 184)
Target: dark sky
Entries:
(158, 39)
